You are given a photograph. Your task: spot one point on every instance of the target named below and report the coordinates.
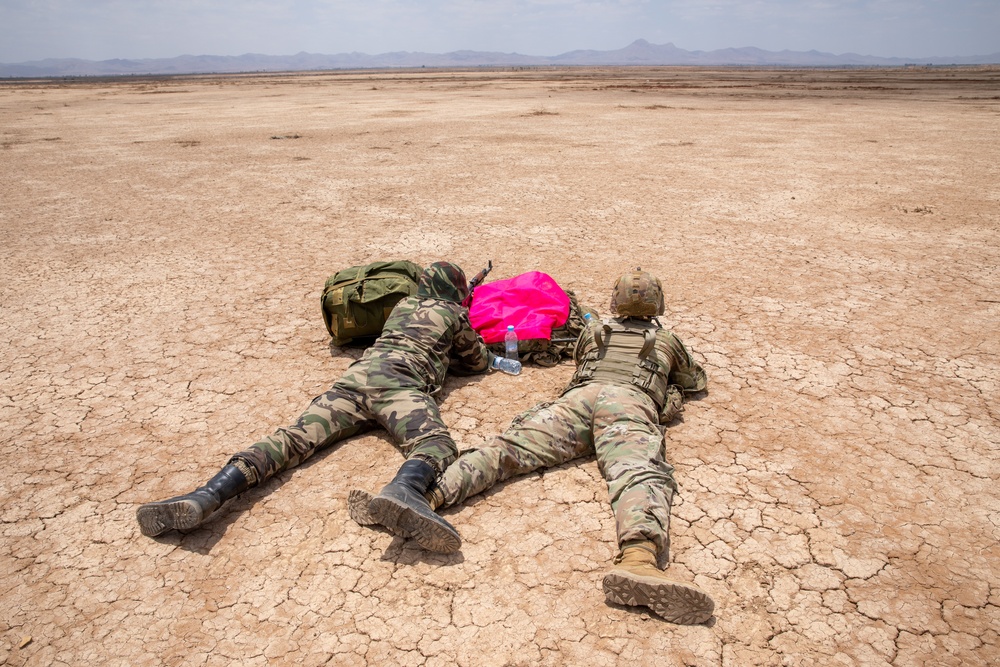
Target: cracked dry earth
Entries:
(829, 243)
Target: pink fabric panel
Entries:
(533, 302)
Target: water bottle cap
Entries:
(587, 316)
(510, 327)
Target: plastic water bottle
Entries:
(510, 343)
(508, 366)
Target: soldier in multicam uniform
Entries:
(631, 376)
(392, 386)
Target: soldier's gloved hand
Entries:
(508, 366)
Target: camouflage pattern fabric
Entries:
(443, 280)
(616, 421)
(637, 294)
(675, 369)
(391, 386)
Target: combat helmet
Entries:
(637, 294)
(443, 280)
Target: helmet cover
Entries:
(637, 294)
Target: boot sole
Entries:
(402, 519)
(672, 601)
(157, 518)
(357, 507)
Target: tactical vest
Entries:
(627, 353)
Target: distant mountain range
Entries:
(639, 52)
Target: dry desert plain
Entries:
(829, 242)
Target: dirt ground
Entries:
(829, 243)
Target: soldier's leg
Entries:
(330, 417)
(630, 454)
(413, 420)
(640, 482)
(546, 435)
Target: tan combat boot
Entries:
(637, 581)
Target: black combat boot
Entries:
(359, 501)
(191, 510)
(402, 508)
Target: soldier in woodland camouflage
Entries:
(391, 386)
(630, 379)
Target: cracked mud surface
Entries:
(829, 244)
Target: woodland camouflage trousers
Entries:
(617, 423)
(366, 397)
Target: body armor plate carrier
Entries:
(626, 352)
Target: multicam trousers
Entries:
(366, 397)
(617, 423)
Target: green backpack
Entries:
(357, 301)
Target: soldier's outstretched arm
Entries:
(689, 374)
(469, 355)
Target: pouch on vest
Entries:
(357, 301)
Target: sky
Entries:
(105, 29)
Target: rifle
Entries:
(476, 281)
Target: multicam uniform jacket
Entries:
(391, 385)
(605, 411)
